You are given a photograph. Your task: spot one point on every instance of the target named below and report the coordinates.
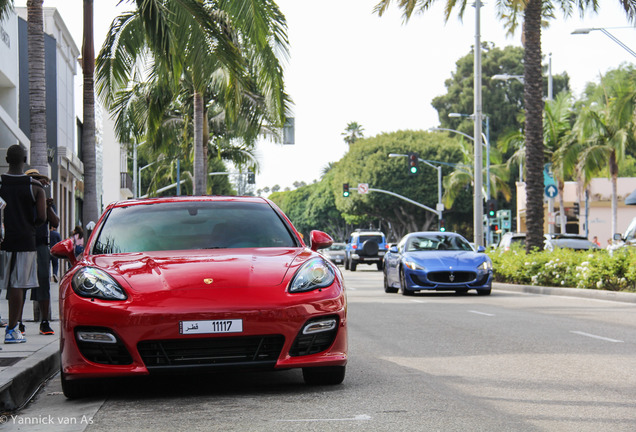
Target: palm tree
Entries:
(533, 12)
(203, 42)
(605, 129)
(559, 145)
(90, 205)
(37, 84)
(353, 132)
(462, 176)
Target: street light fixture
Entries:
(606, 33)
(506, 77)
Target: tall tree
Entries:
(203, 42)
(605, 128)
(90, 205)
(37, 83)
(532, 13)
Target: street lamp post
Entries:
(487, 144)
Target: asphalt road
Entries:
(431, 362)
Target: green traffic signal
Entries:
(413, 170)
(345, 189)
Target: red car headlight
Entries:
(95, 283)
(314, 274)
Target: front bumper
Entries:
(146, 339)
(457, 280)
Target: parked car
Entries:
(509, 239)
(627, 239)
(365, 247)
(436, 261)
(193, 284)
(335, 252)
(568, 241)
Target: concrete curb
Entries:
(624, 297)
(23, 378)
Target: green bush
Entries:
(568, 268)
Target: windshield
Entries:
(437, 242)
(192, 225)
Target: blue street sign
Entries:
(551, 191)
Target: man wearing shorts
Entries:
(26, 209)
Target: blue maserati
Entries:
(436, 261)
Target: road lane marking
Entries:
(360, 417)
(595, 336)
(418, 301)
(480, 313)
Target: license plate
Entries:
(211, 326)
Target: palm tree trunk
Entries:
(562, 217)
(89, 157)
(205, 141)
(533, 89)
(199, 173)
(37, 85)
(613, 165)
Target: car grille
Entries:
(451, 277)
(215, 352)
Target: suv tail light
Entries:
(354, 246)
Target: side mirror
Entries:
(64, 250)
(481, 249)
(319, 240)
(617, 237)
(393, 249)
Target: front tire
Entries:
(324, 375)
(405, 291)
(380, 265)
(484, 292)
(77, 389)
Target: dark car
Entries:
(365, 247)
(436, 261)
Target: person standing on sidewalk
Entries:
(42, 294)
(25, 198)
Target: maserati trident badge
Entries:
(208, 281)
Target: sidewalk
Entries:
(25, 366)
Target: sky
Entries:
(349, 65)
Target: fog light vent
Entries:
(320, 326)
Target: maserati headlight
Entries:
(94, 283)
(485, 266)
(314, 274)
(413, 265)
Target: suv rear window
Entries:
(375, 238)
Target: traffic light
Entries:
(491, 205)
(345, 189)
(251, 178)
(442, 228)
(494, 227)
(414, 161)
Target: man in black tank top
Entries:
(25, 198)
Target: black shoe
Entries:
(45, 328)
(21, 327)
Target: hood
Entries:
(228, 268)
(447, 259)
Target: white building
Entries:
(594, 216)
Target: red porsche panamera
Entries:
(199, 284)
